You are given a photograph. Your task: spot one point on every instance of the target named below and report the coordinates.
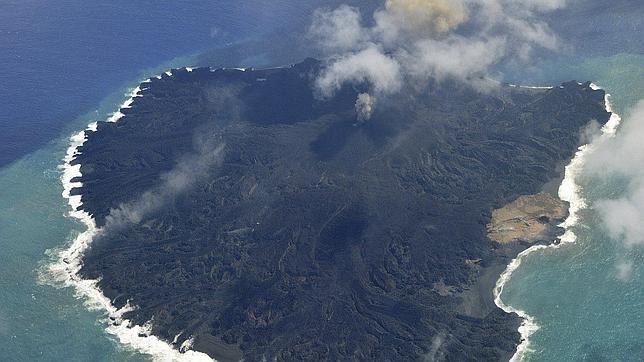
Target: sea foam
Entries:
(67, 263)
(568, 191)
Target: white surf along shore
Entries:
(68, 261)
(568, 191)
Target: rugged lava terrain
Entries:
(313, 237)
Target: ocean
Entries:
(67, 65)
(60, 60)
(587, 297)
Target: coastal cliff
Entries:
(244, 212)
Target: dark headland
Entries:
(308, 236)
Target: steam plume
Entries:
(412, 40)
(364, 106)
(369, 64)
(188, 171)
(622, 157)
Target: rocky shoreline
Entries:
(529, 218)
(313, 237)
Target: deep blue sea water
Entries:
(67, 63)
(60, 59)
(63, 65)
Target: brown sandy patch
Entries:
(527, 218)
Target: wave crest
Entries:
(66, 262)
(568, 191)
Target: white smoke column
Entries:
(364, 107)
(454, 57)
(623, 157)
(339, 30)
(68, 261)
(368, 65)
(413, 40)
(569, 191)
(179, 179)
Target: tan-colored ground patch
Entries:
(526, 218)
(443, 289)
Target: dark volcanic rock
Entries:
(314, 238)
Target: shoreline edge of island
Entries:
(68, 260)
(568, 191)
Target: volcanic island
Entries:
(248, 214)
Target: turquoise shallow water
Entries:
(586, 312)
(58, 61)
(588, 309)
(39, 320)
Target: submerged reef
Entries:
(241, 210)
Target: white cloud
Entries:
(624, 270)
(338, 30)
(542, 5)
(624, 217)
(416, 39)
(623, 157)
(456, 57)
(367, 65)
